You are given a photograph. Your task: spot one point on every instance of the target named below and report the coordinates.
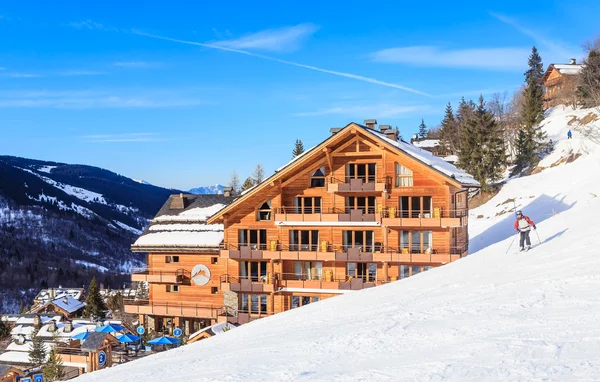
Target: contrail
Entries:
(341, 74)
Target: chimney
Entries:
(37, 321)
(227, 191)
(68, 326)
(178, 202)
(370, 123)
(383, 128)
(51, 293)
(52, 326)
(334, 130)
(392, 134)
(572, 61)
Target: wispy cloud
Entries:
(21, 75)
(286, 62)
(383, 110)
(284, 39)
(86, 24)
(123, 138)
(554, 47)
(477, 58)
(137, 64)
(69, 73)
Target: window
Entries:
(264, 211)
(308, 270)
(364, 171)
(298, 301)
(416, 206)
(255, 238)
(172, 288)
(304, 240)
(420, 241)
(404, 176)
(416, 269)
(365, 203)
(171, 259)
(244, 305)
(214, 290)
(365, 271)
(253, 303)
(175, 259)
(316, 299)
(362, 239)
(254, 270)
(214, 260)
(404, 271)
(307, 205)
(317, 179)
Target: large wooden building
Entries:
(560, 83)
(361, 209)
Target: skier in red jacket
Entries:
(523, 224)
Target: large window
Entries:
(255, 238)
(304, 240)
(365, 203)
(298, 301)
(264, 211)
(364, 171)
(317, 178)
(404, 176)
(365, 271)
(362, 239)
(254, 270)
(308, 270)
(416, 206)
(307, 205)
(253, 303)
(416, 241)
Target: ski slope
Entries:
(495, 315)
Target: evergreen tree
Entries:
(141, 292)
(53, 370)
(298, 148)
(449, 132)
(4, 329)
(115, 303)
(248, 184)
(588, 89)
(422, 134)
(482, 152)
(259, 174)
(531, 138)
(94, 304)
(37, 352)
(234, 183)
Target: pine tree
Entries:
(37, 351)
(259, 174)
(531, 138)
(588, 88)
(53, 369)
(449, 132)
(94, 304)
(298, 148)
(234, 183)
(422, 134)
(4, 329)
(248, 184)
(116, 302)
(141, 292)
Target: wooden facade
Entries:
(357, 211)
(560, 84)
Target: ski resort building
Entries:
(360, 209)
(560, 83)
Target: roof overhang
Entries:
(173, 249)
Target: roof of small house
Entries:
(65, 303)
(45, 294)
(185, 228)
(564, 69)
(94, 341)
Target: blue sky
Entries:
(182, 93)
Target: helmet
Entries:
(519, 212)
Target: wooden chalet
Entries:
(560, 83)
(360, 209)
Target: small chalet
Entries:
(560, 83)
(46, 295)
(65, 305)
(10, 373)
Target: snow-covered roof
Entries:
(198, 214)
(427, 143)
(215, 329)
(429, 159)
(67, 303)
(568, 69)
(53, 293)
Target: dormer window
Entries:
(264, 211)
(317, 179)
(404, 176)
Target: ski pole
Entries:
(538, 236)
(511, 243)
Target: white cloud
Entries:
(22, 75)
(476, 58)
(286, 62)
(86, 24)
(383, 110)
(70, 73)
(137, 64)
(284, 39)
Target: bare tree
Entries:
(259, 174)
(234, 183)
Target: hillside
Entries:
(63, 224)
(215, 189)
(495, 315)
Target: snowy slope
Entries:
(491, 316)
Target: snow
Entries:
(222, 327)
(427, 143)
(195, 214)
(451, 158)
(46, 169)
(141, 181)
(192, 227)
(128, 228)
(80, 193)
(181, 238)
(568, 68)
(495, 315)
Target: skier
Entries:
(569, 135)
(523, 225)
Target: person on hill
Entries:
(569, 135)
(523, 225)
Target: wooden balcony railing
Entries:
(359, 184)
(160, 276)
(177, 309)
(437, 217)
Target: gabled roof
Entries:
(449, 171)
(181, 224)
(95, 340)
(564, 69)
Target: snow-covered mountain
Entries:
(63, 224)
(215, 189)
(497, 314)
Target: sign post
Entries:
(177, 332)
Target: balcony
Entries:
(417, 255)
(394, 217)
(325, 281)
(178, 276)
(174, 309)
(254, 284)
(319, 215)
(360, 184)
(276, 251)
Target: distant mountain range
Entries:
(216, 189)
(63, 224)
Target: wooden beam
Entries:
(329, 160)
(303, 172)
(347, 144)
(359, 154)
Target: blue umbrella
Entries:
(128, 338)
(81, 336)
(164, 341)
(110, 328)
